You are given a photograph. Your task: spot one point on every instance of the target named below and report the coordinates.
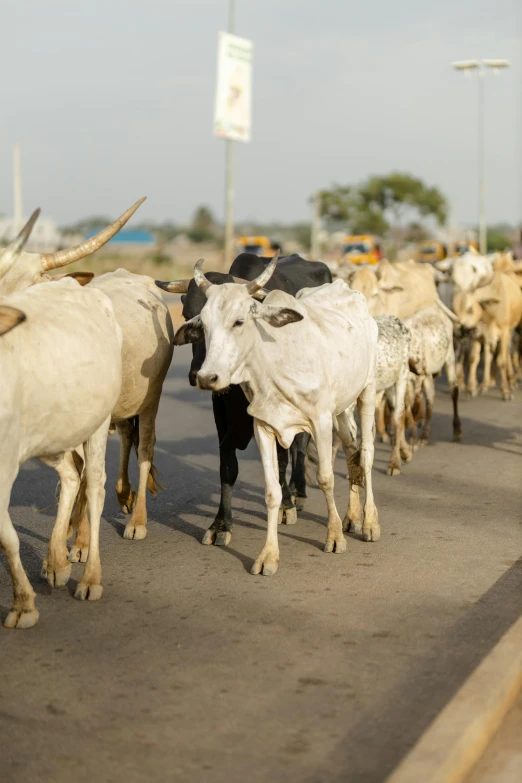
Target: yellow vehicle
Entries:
(463, 246)
(361, 249)
(261, 246)
(430, 251)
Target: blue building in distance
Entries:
(128, 236)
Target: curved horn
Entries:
(258, 295)
(264, 277)
(63, 257)
(174, 287)
(15, 247)
(199, 277)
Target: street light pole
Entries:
(480, 66)
(229, 168)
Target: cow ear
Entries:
(277, 316)
(491, 301)
(82, 277)
(190, 332)
(390, 288)
(9, 318)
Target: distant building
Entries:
(130, 236)
(45, 236)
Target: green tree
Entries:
(344, 204)
(399, 195)
(202, 226)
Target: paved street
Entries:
(190, 669)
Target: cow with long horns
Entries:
(233, 422)
(52, 366)
(146, 355)
(301, 364)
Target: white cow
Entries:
(147, 349)
(432, 350)
(301, 378)
(60, 364)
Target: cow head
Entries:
(194, 299)
(471, 271)
(18, 269)
(228, 321)
(468, 310)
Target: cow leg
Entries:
(267, 562)
(400, 447)
(136, 527)
(451, 375)
(298, 451)
(79, 550)
(474, 360)
(90, 587)
(287, 510)
(24, 614)
(371, 530)
(502, 364)
(220, 531)
(347, 429)
(335, 540)
(488, 356)
(429, 398)
(380, 405)
(56, 567)
(124, 492)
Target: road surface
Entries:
(190, 669)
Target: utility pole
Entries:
(17, 190)
(316, 226)
(229, 168)
(480, 67)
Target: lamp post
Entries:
(229, 168)
(480, 67)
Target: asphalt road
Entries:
(190, 669)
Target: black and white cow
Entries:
(234, 425)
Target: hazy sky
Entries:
(113, 99)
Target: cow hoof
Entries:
(393, 470)
(474, 392)
(78, 554)
(266, 565)
(135, 532)
(351, 526)
(209, 537)
(85, 592)
(457, 436)
(21, 619)
(128, 505)
(371, 534)
(423, 442)
(56, 577)
(384, 438)
(300, 504)
(290, 516)
(223, 538)
(507, 396)
(336, 545)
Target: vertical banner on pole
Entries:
(233, 109)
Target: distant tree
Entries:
(344, 204)
(380, 201)
(202, 228)
(498, 240)
(399, 194)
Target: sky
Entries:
(111, 100)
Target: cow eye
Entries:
(239, 322)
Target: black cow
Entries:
(234, 425)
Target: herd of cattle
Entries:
(289, 355)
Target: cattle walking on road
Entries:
(302, 364)
(58, 391)
(234, 424)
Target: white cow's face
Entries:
(26, 270)
(471, 272)
(229, 322)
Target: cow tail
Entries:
(153, 483)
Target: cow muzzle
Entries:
(208, 380)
